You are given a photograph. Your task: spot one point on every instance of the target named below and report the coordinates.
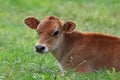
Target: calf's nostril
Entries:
(36, 47)
(42, 48)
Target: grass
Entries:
(18, 61)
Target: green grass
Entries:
(18, 61)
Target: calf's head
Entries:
(49, 31)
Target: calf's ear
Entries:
(31, 22)
(69, 26)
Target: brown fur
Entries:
(83, 52)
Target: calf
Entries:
(82, 52)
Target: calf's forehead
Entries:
(48, 24)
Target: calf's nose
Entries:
(39, 48)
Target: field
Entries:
(18, 61)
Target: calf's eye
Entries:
(55, 33)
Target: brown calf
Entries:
(83, 52)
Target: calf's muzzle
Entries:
(40, 48)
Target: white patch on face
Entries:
(46, 49)
(58, 42)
